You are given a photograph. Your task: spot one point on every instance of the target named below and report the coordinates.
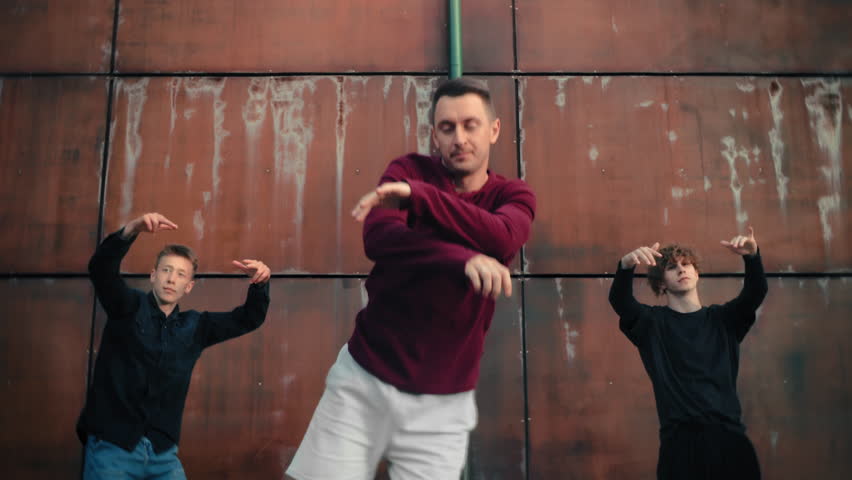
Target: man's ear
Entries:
(188, 287)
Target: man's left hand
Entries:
(742, 244)
(257, 270)
(386, 195)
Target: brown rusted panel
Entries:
(684, 36)
(44, 341)
(268, 168)
(306, 36)
(51, 139)
(497, 444)
(56, 35)
(620, 162)
(592, 407)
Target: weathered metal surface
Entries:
(307, 36)
(497, 445)
(68, 36)
(51, 144)
(592, 407)
(619, 162)
(44, 338)
(684, 36)
(268, 167)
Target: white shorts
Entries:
(361, 419)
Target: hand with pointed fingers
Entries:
(646, 255)
(489, 277)
(148, 223)
(257, 270)
(386, 195)
(742, 244)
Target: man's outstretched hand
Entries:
(257, 270)
(148, 223)
(387, 195)
(742, 244)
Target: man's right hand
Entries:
(644, 255)
(150, 223)
(489, 277)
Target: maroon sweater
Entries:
(423, 328)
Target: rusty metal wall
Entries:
(255, 126)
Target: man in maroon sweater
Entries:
(441, 231)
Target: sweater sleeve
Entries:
(115, 296)
(388, 237)
(634, 317)
(499, 233)
(740, 313)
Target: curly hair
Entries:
(671, 254)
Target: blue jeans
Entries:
(105, 460)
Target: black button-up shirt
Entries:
(145, 362)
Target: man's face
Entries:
(680, 277)
(172, 279)
(464, 132)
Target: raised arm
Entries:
(740, 313)
(220, 326)
(630, 311)
(105, 265)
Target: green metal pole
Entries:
(455, 38)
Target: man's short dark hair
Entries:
(462, 86)
(670, 255)
(180, 251)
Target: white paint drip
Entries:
(188, 113)
(570, 334)
(605, 83)
(254, 113)
(194, 87)
(198, 223)
(387, 86)
(666, 216)
(423, 89)
(293, 137)
(614, 26)
(745, 115)
(730, 153)
(205, 197)
(588, 80)
(645, 104)
(664, 107)
(825, 109)
(136, 96)
(733, 112)
(174, 89)
(560, 91)
(593, 154)
(707, 184)
(745, 86)
(190, 167)
(823, 285)
(777, 146)
(343, 110)
(679, 193)
(672, 136)
(106, 55)
(773, 440)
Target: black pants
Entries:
(707, 452)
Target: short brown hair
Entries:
(180, 251)
(671, 254)
(457, 87)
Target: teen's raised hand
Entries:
(148, 223)
(646, 255)
(387, 195)
(257, 270)
(489, 277)
(742, 244)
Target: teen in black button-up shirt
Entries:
(146, 357)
